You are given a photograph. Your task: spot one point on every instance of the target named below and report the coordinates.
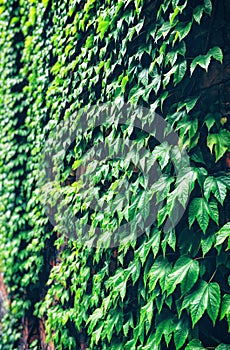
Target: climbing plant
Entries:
(165, 289)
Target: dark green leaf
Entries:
(185, 272)
(199, 210)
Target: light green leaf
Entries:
(135, 93)
(225, 179)
(225, 306)
(155, 241)
(97, 334)
(223, 234)
(94, 318)
(216, 53)
(122, 289)
(162, 154)
(169, 239)
(202, 60)
(147, 312)
(174, 14)
(220, 143)
(103, 25)
(130, 345)
(89, 41)
(195, 344)
(124, 82)
(134, 270)
(45, 3)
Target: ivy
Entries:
(204, 60)
(166, 288)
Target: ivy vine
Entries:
(162, 290)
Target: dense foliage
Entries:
(165, 289)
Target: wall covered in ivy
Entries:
(165, 289)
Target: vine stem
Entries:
(204, 257)
(212, 276)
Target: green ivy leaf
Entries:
(220, 143)
(162, 187)
(94, 318)
(185, 273)
(213, 211)
(202, 60)
(144, 77)
(170, 240)
(197, 13)
(179, 74)
(181, 332)
(124, 83)
(45, 3)
(213, 301)
(210, 120)
(214, 185)
(225, 306)
(223, 346)
(205, 298)
(164, 326)
(199, 210)
(207, 243)
(89, 41)
(97, 334)
(208, 7)
(184, 185)
(151, 343)
(195, 344)
(223, 234)
(216, 53)
(183, 29)
(135, 93)
(189, 104)
(159, 270)
(129, 324)
(103, 25)
(147, 312)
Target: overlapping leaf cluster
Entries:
(168, 289)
